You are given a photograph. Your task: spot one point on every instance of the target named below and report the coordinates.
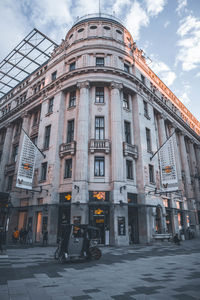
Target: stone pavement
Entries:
(162, 271)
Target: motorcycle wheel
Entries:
(95, 253)
(56, 253)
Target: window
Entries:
(129, 169)
(18, 129)
(44, 171)
(127, 131)
(72, 66)
(99, 61)
(68, 168)
(151, 174)
(146, 113)
(99, 96)
(47, 136)
(148, 139)
(53, 76)
(50, 107)
(125, 101)
(99, 128)
(72, 99)
(35, 118)
(70, 131)
(10, 182)
(14, 153)
(99, 166)
(126, 68)
(143, 79)
(35, 140)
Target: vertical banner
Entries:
(168, 163)
(26, 164)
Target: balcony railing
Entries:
(99, 146)
(130, 150)
(67, 149)
(9, 168)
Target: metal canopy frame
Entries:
(30, 54)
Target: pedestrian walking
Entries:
(15, 236)
(45, 237)
(30, 236)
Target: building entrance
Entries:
(133, 225)
(99, 217)
(38, 233)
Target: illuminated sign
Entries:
(98, 211)
(68, 197)
(99, 196)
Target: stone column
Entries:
(80, 194)
(161, 129)
(187, 182)
(5, 155)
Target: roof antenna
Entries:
(99, 8)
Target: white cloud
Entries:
(185, 98)
(136, 18)
(181, 5)
(155, 7)
(119, 5)
(166, 24)
(163, 71)
(189, 43)
(198, 74)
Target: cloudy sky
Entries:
(167, 30)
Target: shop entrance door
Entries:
(133, 225)
(22, 219)
(38, 233)
(99, 217)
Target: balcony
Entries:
(99, 146)
(9, 168)
(130, 150)
(67, 149)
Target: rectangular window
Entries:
(129, 169)
(99, 95)
(126, 68)
(146, 112)
(50, 106)
(70, 131)
(99, 167)
(72, 66)
(151, 174)
(127, 131)
(47, 136)
(35, 118)
(125, 100)
(44, 171)
(68, 168)
(34, 140)
(143, 79)
(99, 128)
(148, 139)
(72, 99)
(10, 182)
(14, 154)
(99, 61)
(53, 76)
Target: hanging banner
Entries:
(168, 163)
(26, 164)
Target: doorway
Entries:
(133, 225)
(22, 219)
(38, 233)
(99, 217)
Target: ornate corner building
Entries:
(99, 114)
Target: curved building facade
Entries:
(99, 114)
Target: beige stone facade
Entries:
(99, 114)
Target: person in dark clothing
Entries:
(176, 239)
(45, 237)
(2, 240)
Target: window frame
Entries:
(99, 94)
(127, 133)
(99, 129)
(50, 105)
(148, 140)
(53, 76)
(129, 169)
(70, 131)
(101, 61)
(151, 174)
(68, 168)
(47, 135)
(126, 100)
(72, 99)
(72, 66)
(43, 171)
(99, 166)
(126, 68)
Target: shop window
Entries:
(65, 197)
(50, 105)
(72, 99)
(129, 169)
(125, 100)
(47, 137)
(68, 168)
(99, 166)
(127, 132)
(99, 95)
(99, 61)
(99, 128)
(70, 131)
(98, 196)
(132, 198)
(44, 171)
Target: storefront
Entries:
(64, 211)
(99, 214)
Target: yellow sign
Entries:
(168, 169)
(100, 221)
(99, 195)
(98, 211)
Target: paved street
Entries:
(164, 271)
